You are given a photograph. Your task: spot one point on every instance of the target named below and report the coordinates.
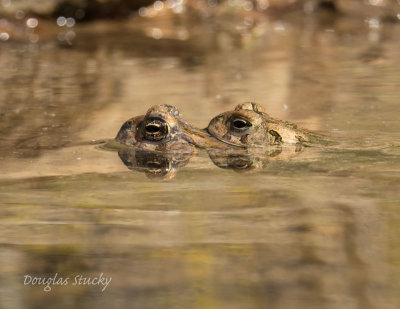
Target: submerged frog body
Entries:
(249, 125)
(163, 130)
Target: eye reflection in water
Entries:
(164, 166)
(238, 161)
(248, 160)
(155, 165)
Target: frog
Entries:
(249, 125)
(162, 129)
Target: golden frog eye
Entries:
(152, 128)
(155, 129)
(240, 124)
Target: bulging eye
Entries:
(152, 128)
(240, 124)
(155, 129)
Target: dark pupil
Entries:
(155, 130)
(240, 124)
(152, 128)
(154, 165)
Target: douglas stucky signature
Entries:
(57, 280)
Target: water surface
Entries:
(315, 230)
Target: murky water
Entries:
(319, 229)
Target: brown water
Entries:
(314, 230)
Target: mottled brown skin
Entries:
(162, 129)
(249, 125)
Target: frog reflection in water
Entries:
(245, 160)
(249, 125)
(162, 166)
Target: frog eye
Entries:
(152, 128)
(155, 129)
(240, 124)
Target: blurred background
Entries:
(318, 230)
